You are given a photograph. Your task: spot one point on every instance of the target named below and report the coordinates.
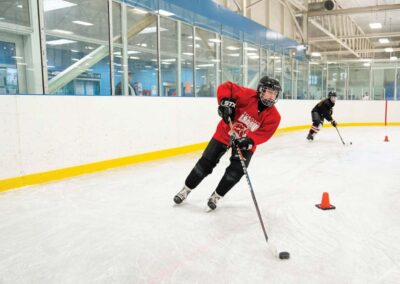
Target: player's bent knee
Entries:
(204, 167)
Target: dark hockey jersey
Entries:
(324, 108)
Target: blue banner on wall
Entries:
(209, 15)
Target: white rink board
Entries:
(42, 133)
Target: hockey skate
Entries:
(310, 137)
(212, 201)
(182, 195)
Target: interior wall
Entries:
(269, 13)
(42, 133)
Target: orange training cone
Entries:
(386, 139)
(325, 204)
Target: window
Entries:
(169, 57)
(187, 55)
(20, 64)
(207, 45)
(77, 47)
(252, 53)
(232, 61)
(142, 51)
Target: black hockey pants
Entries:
(210, 158)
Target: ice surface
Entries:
(120, 226)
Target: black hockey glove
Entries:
(244, 143)
(226, 109)
(334, 123)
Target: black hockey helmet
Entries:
(331, 94)
(271, 84)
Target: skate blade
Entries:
(208, 209)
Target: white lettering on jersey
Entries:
(250, 122)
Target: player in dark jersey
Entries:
(323, 110)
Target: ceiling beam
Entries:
(374, 35)
(376, 50)
(358, 10)
(331, 35)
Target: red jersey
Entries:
(248, 121)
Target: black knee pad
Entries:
(316, 118)
(204, 167)
(234, 173)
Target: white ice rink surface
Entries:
(120, 226)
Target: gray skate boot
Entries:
(212, 201)
(182, 195)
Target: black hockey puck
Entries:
(284, 255)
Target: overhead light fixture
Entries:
(82, 23)
(375, 26)
(205, 65)
(384, 40)
(75, 51)
(392, 58)
(214, 40)
(20, 6)
(196, 38)
(233, 54)
(232, 48)
(133, 52)
(315, 54)
(134, 57)
(62, 32)
(300, 47)
(51, 5)
(59, 41)
(388, 49)
(188, 53)
(138, 11)
(169, 60)
(152, 30)
(367, 64)
(165, 13)
(250, 49)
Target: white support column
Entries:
(396, 72)
(179, 63)
(124, 30)
(194, 61)
(41, 43)
(159, 56)
(111, 43)
(267, 13)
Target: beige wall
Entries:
(269, 13)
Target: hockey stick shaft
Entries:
(241, 158)
(340, 135)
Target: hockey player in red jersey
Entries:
(323, 110)
(254, 118)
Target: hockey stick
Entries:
(283, 254)
(344, 144)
